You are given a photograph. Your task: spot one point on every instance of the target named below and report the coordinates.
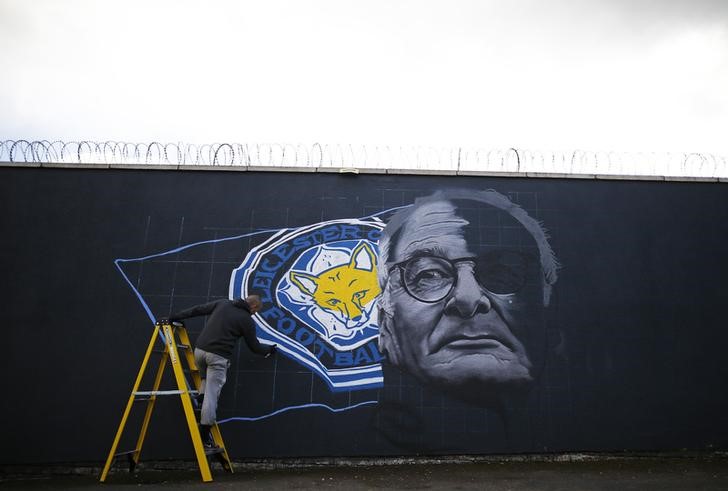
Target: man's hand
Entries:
(273, 349)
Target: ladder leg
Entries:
(190, 357)
(129, 405)
(117, 438)
(150, 407)
(187, 405)
(194, 429)
(222, 456)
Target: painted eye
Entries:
(428, 278)
(503, 272)
(430, 275)
(333, 302)
(361, 294)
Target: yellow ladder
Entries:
(167, 332)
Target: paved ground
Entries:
(664, 474)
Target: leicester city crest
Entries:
(319, 289)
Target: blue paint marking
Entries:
(118, 263)
(386, 211)
(292, 408)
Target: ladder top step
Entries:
(179, 346)
(172, 323)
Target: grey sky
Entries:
(594, 74)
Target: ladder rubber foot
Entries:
(132, 463)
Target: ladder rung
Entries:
(183, 346)
(213, 450)
(128, 452)
(158, 392)
(164, 392)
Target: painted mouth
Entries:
(474, 342)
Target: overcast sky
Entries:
(602, 75)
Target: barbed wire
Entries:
(452, 159)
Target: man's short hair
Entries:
(253, 300)
(398, 224)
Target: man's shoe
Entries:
(212, 450)
(209, 444)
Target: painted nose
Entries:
(467, 298)
(353, 312)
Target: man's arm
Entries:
(256, 346)
(196, 311)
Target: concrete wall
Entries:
(619, 346)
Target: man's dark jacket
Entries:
(229, 320)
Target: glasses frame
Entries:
(402, 265)
(453, 262)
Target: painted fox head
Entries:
(346, 289)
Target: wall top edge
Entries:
(353, 171)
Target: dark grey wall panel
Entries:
(629, 352)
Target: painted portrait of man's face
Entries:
(464, 294)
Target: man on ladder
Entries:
(229, 321)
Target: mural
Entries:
(450, 290)
(416, 315)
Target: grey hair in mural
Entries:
(465, 277)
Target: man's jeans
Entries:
(213, 370)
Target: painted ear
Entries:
(387, 342)
(306, 282)
(363, 257)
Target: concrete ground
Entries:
(583, 474)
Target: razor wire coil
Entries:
(454, 159)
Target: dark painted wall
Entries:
(634, 343)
